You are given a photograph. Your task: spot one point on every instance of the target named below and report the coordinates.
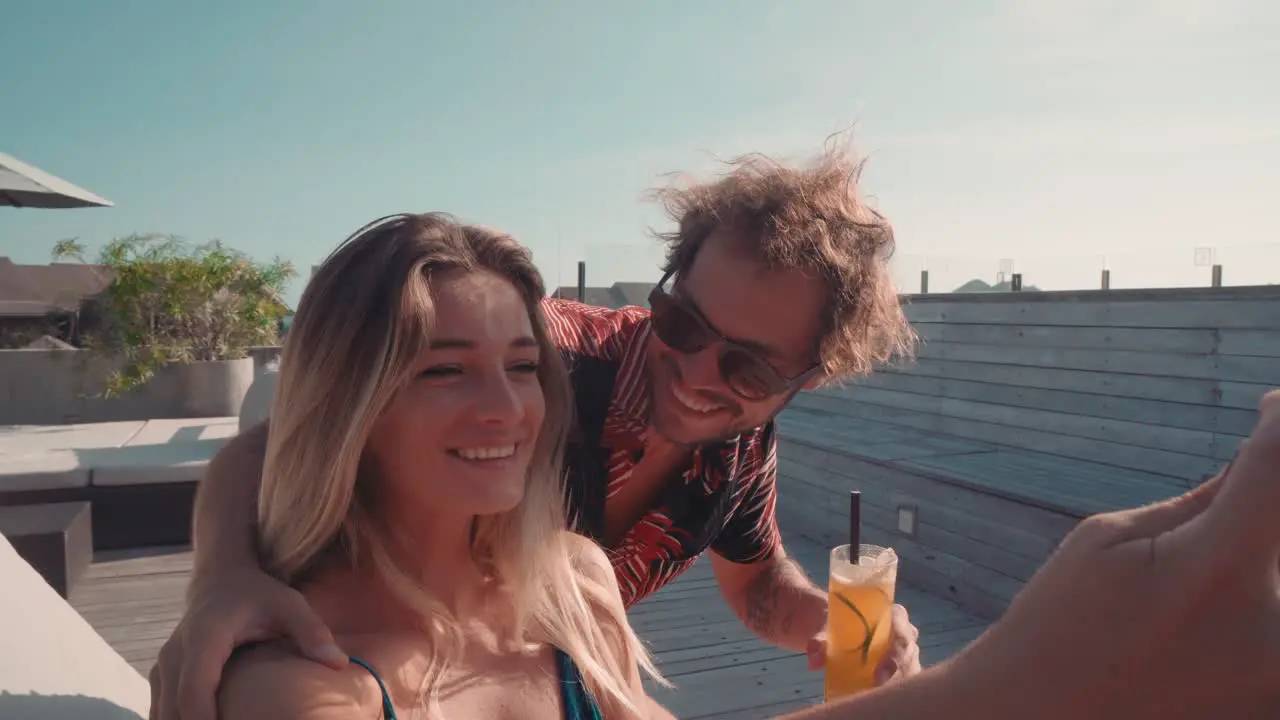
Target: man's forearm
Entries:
(963, 687)
(226, 506)
(782, 605)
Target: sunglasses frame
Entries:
(777, 382)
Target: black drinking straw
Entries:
(855, 524)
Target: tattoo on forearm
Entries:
(773, 599)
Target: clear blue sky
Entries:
(1052, 132)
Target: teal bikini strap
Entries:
(388, 710)
(578, 704)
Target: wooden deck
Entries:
(1022, 414)
(720, 669)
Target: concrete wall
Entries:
(54, 387)
(263, 356)
(1158, 381)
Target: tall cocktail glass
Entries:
(859, 616)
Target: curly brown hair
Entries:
(807, 218)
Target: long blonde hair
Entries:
(360, 325)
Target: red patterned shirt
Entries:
(724, 501)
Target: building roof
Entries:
(618, 295)
(634, 293)
(37, 290)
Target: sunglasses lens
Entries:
(677, 329)
(748, 375)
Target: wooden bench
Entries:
(55, 539)
(1024, 413)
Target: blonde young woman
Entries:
(411, 492)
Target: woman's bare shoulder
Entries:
(588, 557)
(273, 681)
(592, 564)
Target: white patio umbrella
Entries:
(22, 185)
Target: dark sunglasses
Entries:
(684, 330)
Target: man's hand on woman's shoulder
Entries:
(224, 614)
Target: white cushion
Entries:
(39, 438)
(133, 453)
(54, 666)
(169, 430)
(48, 470)
(173, 462)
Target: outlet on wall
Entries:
(908, 520)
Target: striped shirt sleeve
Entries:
(588, 331)
(750, 533)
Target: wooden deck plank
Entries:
(1106, 395)
(1180, 466)
(1073, 486)
(870, 439)
(1148, 432)
(1194, 341)
(1255, 311)
(134, 600)
(721, 670)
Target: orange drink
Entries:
(859, 617)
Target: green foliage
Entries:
(170, 303)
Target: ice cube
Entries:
(881, 558)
